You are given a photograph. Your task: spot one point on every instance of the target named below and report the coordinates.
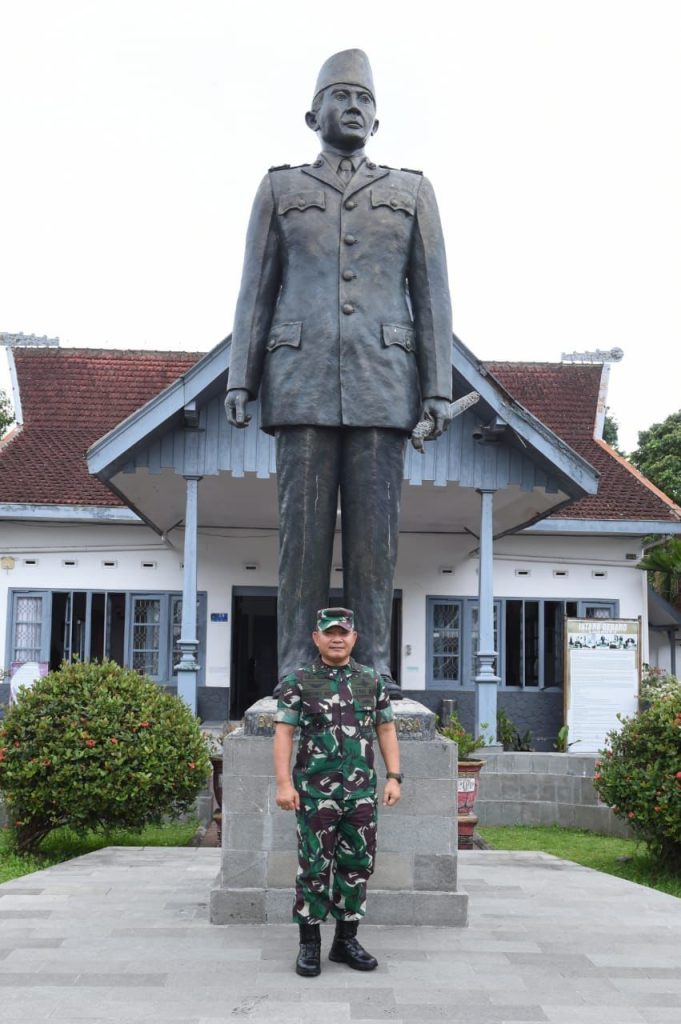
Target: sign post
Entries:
(602, 679)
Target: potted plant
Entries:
(468, 781)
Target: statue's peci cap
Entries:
(328, 617)
(351, 67)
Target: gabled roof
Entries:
(72, 398)
(69, 398)
(565, 397)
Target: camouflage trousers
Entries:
(336, 854)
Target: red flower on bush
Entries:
(631, 814)
(144, 725)
(90, 743)
(192, 764)
(114, 740)
(597, 775)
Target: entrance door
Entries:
(254, 644)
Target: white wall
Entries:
(223, 556)
(422, 558)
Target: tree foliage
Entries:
(640, 774)
(658, 455)
(611, 430)
(664, 565)
(96, 746)
(6, 414)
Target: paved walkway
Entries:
(123, 935)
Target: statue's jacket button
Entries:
(349, 275)
(348, 308)
(349, 239)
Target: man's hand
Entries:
(392, 791)
(235, 407)
(288, 798)
(437, 409)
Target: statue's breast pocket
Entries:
(302, 201)
(395, 208)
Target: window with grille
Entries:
(141, 631)
(28, 629)
(445, 641)
(528, 639)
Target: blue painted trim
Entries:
(82, 513)
(662, 607)
(108, 455)
(632, 527)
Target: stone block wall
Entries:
(544, 789)
(415, 878)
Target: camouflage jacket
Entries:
(337, 710)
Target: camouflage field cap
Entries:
(328, 617)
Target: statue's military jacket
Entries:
(337, 710)
(344, 316)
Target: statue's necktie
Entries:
(345, 170)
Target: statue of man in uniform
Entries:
(343, 327)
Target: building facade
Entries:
(137, 525)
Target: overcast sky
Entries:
(134, 134)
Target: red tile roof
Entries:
(72, 397)
(564, 396)
(69, 399)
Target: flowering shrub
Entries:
(94, 745)
(640, 774)
(466, 742)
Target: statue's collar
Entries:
(325, 171)
(334, 156)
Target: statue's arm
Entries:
(429, 293)
(260, 283)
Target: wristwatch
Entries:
(397, 776)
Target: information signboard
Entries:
(603, 672)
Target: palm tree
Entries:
(663, 563)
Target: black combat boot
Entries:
(347, 950)
(308, 963)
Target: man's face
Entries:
(335, 644)
(346, 117)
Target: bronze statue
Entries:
(343, 327)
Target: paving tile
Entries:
(123, 936)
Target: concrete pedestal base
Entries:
(415, 881)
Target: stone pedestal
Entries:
(415, 877)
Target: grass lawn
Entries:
(589, 849)
(63, 844)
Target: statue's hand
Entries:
(437, 409)
(235, 407)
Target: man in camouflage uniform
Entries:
(337, 703)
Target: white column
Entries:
(486, 681)
(187, 669)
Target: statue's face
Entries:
(346, 117)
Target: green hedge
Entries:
(94, 745)
(640, 774)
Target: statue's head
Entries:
(344, 108)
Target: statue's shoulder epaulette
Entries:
(288, 167)
(409, 170)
